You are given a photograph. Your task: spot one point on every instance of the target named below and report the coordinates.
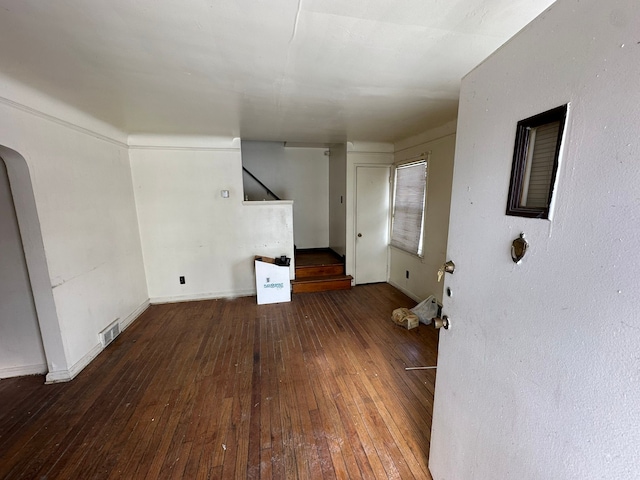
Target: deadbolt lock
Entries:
(447, 267)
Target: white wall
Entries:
(85, 211)
(21, 350)
(362, 153)
(293, 173)
(539, 377)
(188, 229)
(338, 199)
(422, 280)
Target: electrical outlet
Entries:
(182, 282)
(407, 273)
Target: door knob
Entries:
(443, 322)
(359, 234)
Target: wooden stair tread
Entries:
(323, 264)
(319, 270)
(321, 284)
(317, 257)
(328, 259)
(322, 278)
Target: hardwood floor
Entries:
(315, 388)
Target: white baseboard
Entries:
(406, 292)
(201, 296)
(76, 368)
(128, 320)
(67, 375)
(23, 370)
(57, 377)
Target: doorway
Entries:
(21, 348)
(31, 247)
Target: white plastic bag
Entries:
(427, 310)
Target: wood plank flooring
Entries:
(311, 389)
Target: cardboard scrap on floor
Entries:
(405, 318)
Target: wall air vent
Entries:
(110, 333)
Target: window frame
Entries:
(521, 153)
(419, 248)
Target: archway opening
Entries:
(21, 348)
(29, 318)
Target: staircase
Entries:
(319, 270)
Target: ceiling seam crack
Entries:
(295, 21)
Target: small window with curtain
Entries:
(409, 194)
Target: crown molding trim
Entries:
(59, 121)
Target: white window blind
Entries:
(539, 168)
(408, 206)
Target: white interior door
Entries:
(372, 224)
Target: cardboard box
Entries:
(272, 281)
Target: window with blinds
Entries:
(535, 163)
(539, 168)
(409, 195)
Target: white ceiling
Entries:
(289, 70)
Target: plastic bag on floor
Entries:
(427, 310)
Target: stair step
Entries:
(309, 271)
(321, 283)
